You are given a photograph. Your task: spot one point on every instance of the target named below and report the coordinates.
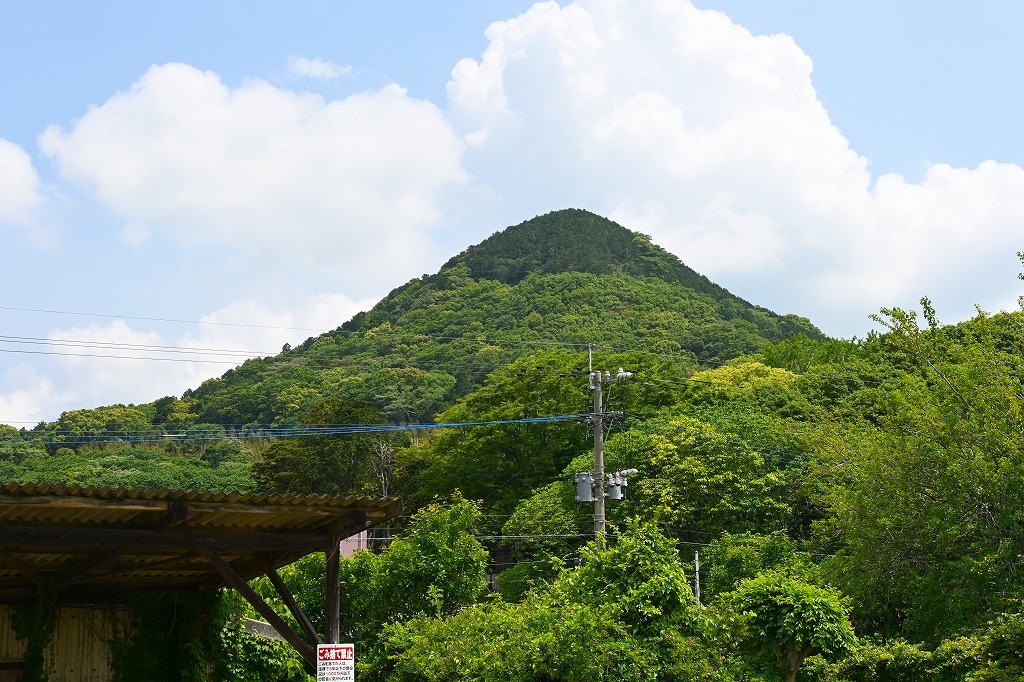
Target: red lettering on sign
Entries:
(335, 653)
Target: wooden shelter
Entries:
(60, 536)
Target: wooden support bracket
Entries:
(233, 579)
(289, 599)
(21, 567)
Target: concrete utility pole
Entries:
(598, 421)
(595, 487)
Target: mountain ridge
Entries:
(552, 243)
(568, 278)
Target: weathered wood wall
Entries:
(79, 650)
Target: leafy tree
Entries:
(15, 446)
(132, 467)
(767, 389)
(548, 525)
(502, 464)
(791, 619)
(518, 643)
(81, 428)
(626, 614)
(800, 353)
(497, 463)
(324, 464)
(404, 394)
(1002, 650)
(694, 479)
(732, 559)
(867, 661)
(926, 507)
(436, 567)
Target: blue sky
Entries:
(236, 175)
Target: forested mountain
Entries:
(567, 277)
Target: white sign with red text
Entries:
(335, 663)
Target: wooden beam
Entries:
(332, 587)
(350, 524)
(21, 567)
(172, 539)
(289, 600)
(233, 579)
(177, 514)
(69, 502)
(79, 570)
(185, 565)
(287, 509)
(383, 508)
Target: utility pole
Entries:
(598, 422)
(595, 487)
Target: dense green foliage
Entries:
(434, 570)
(504, 463)
(626, 614)
(327, 464)
(129, 467)
(567, 277)
(856, 504)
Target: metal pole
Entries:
(696, 576)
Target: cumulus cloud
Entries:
(252, 325)
(682, 124)
(30, 399)
(21, 196)
(284, 179)
(672, 120)
(316, 68)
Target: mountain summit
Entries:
(568, 278)
(574, 240)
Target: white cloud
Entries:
(681, 124)
(113, 363)
(31, 402)
(672, 120)
(250, 324)
(283, 180)
(316, 68)
(21, 197)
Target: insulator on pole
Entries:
(615, 484)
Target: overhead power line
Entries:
(121, 345)
(117, 357)
(133, 350)
(159, 319)
(362, 333)
(251, 433)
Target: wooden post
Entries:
(332, 584)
